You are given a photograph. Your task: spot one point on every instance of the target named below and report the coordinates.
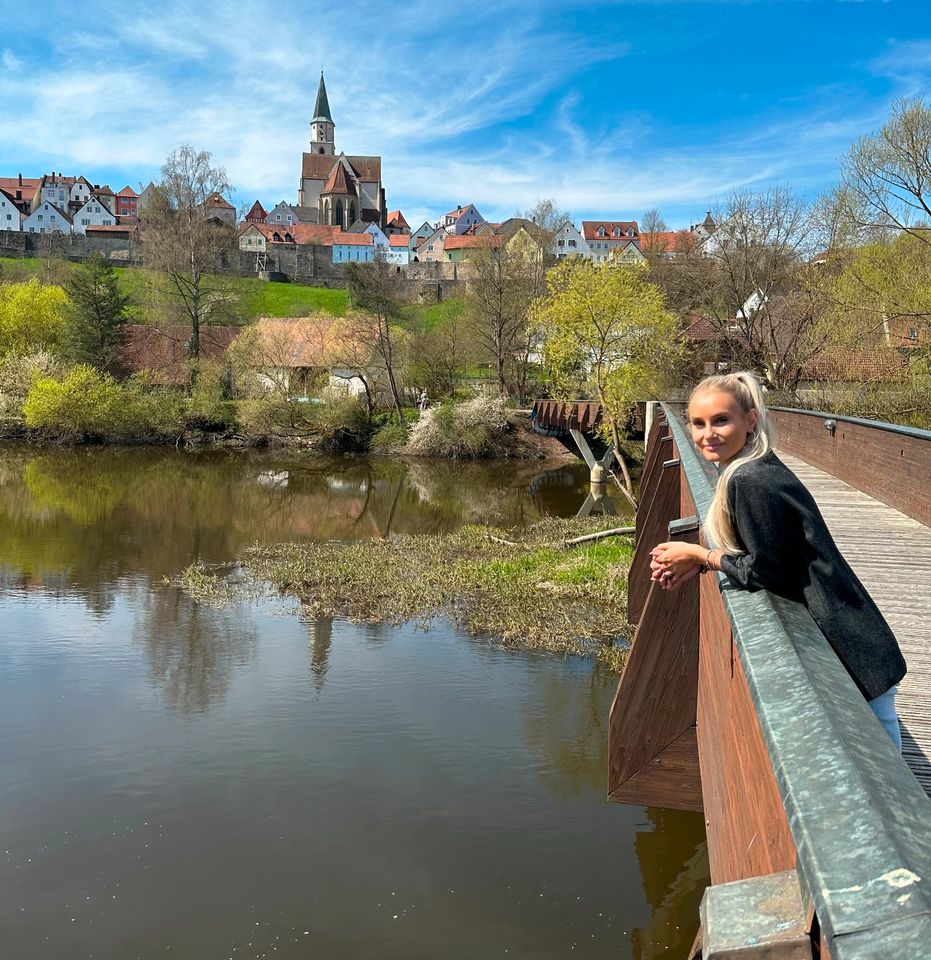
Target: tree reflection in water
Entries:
(192, 650)
(320, 631)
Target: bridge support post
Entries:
(763, 917)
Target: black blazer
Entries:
(789, 551)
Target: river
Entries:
(184, 781)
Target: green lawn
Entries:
(258, 298)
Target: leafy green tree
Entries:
(96, 315)
(607, 334)
(32, 317)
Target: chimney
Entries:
(459, 208)
(20, 179)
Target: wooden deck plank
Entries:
(891, 554)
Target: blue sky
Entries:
(608, 107)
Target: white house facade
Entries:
(462, 219)
(613, 239)
(569, 240)
(10, 216)
(92, 213)
(47, 218)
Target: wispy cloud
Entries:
(499, 103)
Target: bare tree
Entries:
(377, 289)
(547, 217)
(886, 177)
(183, 244)
(504, 278)
(750, 283)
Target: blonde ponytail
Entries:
(746, 390)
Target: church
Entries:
(343, 190)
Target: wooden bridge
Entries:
(732, 703)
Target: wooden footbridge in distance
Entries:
(732, 703)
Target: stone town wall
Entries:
(305, 263)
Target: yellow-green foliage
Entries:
(607, 333)
(88, 403)
(32, 317)
(18, 372)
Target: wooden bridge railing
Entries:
(733, 703)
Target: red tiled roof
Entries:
(467, 241)
(887, 366)
(127, 191)
(309, 233)
(317, 166)
(257, 212)
(27, 188)
(338, 182)
(298, 341)
(668, 241)
(164, 350)
(590, 229)
(399, 239)
(701, 329)
(397, 218)
(216, 200)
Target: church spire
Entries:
(322, 106)
(322, 126)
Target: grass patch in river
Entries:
(535, 593)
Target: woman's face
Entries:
(719, 426)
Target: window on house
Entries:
(40, 216)
(85, 223)
(617, 231)
(630, 231)
(912, 331)
(278, 216)
(601, 231)
(9, 216)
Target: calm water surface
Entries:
(179, 781)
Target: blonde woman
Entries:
(767, 533)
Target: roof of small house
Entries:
(590, 229)
(122, 227)
(164, 351)
(396, 218)
(127, 191)
(309, 233)
(472, 241)
(668, 241)
(218, 200)
(399, 239)
(103, 190)
(256, 212)
(884, 365)
(298, 342)
(57, 209)
(27, 188)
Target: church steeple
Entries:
(322, 106)
(322, 126)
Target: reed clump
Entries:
(530, 591)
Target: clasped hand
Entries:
(672, 563)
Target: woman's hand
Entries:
(672, 563)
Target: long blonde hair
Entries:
(746, 390)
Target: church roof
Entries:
(318, 166)
(322, 106)
(338, 181)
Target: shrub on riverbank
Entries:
(86, 404)
(473, 430)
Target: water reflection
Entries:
(192, 650)
(253, 774)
